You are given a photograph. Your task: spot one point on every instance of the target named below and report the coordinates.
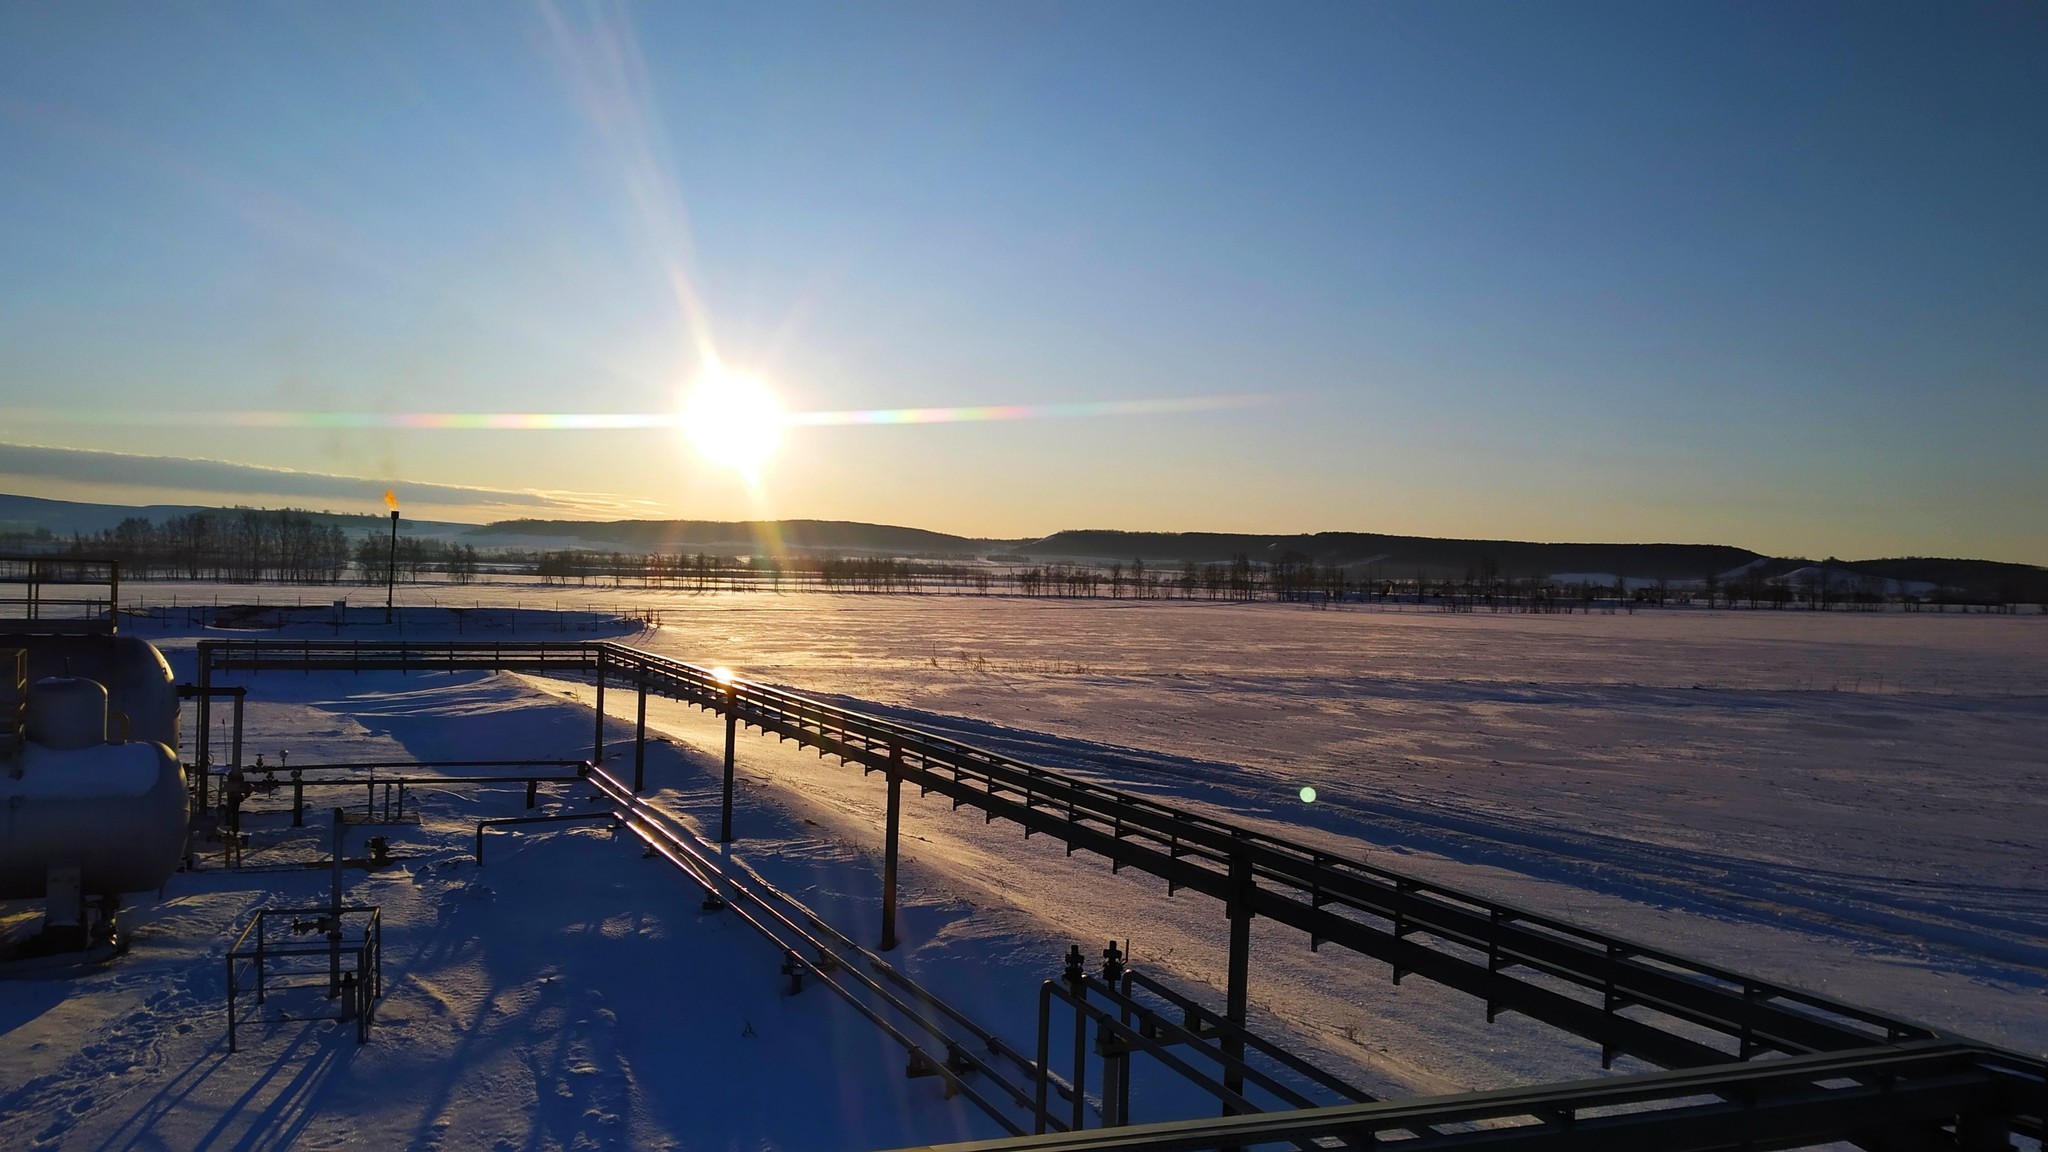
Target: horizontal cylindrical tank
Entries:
(67, 713)
(117, 812)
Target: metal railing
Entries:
(33, 610)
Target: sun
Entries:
(734, 422)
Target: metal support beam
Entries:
(597, 739)
(1237, 992)
(235, 749)
(334, 912)
(725, 800)
(640, 740)
(1116, 1072)
(892, 827)
(201, 749)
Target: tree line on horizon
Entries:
(263, 546)
(247, 545)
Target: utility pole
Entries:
(391, 567)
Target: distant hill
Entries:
(1402, 557)
(1365, 554)
(1990, 580)
(746, 535)
(19, 514)
(63, 517)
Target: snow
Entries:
(1852, 803)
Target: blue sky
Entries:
(1769, 275)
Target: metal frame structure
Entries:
(41, 614)
(274, 960)
(1623, 996)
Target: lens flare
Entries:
(734, 422)
(1308, 795)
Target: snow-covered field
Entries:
(1850, 803)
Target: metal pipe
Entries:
(725, 802)
(640, 740)
(1237, 991)
(235, 749)
(334, 899)
(1077, 992)
(201, 748)
(1039, 1111)
(893, 826)
(451, 781)
(1116, 1096)
(369, 765)
(597, 740)
(482, 825)
(334, 921)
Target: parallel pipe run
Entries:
(1125, 1025)
(380, 765)
(1898, 1091)
(1415, 926)
(762, 907)
(1076, 997)
(1203, 1022)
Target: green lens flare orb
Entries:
(1308, 795)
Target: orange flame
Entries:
(391, 500)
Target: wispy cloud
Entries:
(250, 481)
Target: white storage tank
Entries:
(115, 812)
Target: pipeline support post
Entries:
(597, 738)
(640, 739)
(1113, 1048)
(201, 746)
(334, 912)
(725, 801)
(1116, 1089)
(892, 826)
(1236, 995)
(235, 749)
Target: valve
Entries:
(1112, 964)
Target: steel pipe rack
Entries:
(1626, 997)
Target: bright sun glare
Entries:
(734, 422)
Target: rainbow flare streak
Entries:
(589, 421)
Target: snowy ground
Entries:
(1851, 803)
